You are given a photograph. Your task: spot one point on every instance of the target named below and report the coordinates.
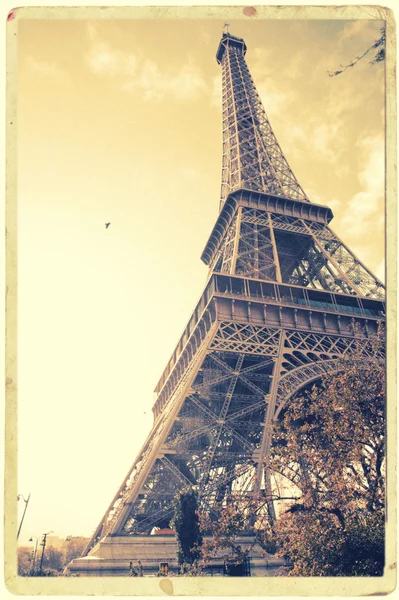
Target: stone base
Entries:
(112, 557)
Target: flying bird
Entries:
(107, 225)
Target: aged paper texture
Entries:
(209, 586)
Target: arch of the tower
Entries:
(287, 479)
(214, 441)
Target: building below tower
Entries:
(116, 556)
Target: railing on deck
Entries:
(295, 295)
(271, 292)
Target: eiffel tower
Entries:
(284, 301)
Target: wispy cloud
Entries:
(104, 60)
(261, 60)
(363, 220)
(380, 270)
(360, 30)
(365, 206)
(334, 203)
(324, 138)
(204, 36)
(272, 97)
(216, 92)
(190, 173)
(48, 70)
(145, 75)
(313, 135)
(187, 84)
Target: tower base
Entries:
(113, 554)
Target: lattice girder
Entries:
(218, 429)
(252, 157)
(262, 245)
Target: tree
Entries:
(186, 525)
(233, 519)
(330, 446)
(73, 548)
(53, 561)
(24, 556)
(378, 46)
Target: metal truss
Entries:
(252, 157)
(285, 302)
(285, 249)
(220, 430)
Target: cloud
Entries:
(313, 136)
(361, 219)
(204, 36)
(92, 32)
(190, 173)
(216, 92)
(48, 70)
(380, 270)
(362, 30)
(365, 208)
(351, 29)
(186, 84)
(103, 60)
(260, 58)
(355, 43)
(323, 122)
(273, 99)
(324, 137)
(136, 73)
(341, 170)
(335, 204)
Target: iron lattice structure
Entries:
(285, 301)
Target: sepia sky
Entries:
(120, 121)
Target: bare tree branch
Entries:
(379, 56)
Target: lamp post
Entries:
(34, 553)
(44, 546)
(26, 506)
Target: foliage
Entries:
(53, 559)
(25, 558)
(328, 449)
(330, 445)
(48, 572)
(196, 569)
(378, 46)
(53, 562)
(241, 514)
(317, 545)
(231, 521)
(186, 525)
(73, 548)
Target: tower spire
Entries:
(252, 157)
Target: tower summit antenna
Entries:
(226, 28)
